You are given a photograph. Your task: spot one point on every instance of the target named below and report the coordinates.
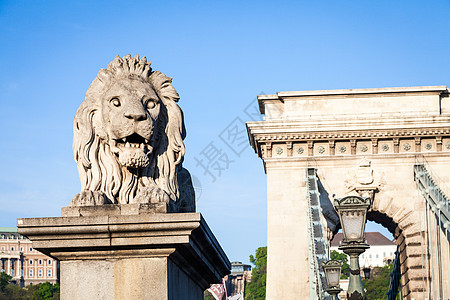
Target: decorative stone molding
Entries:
(379, 140)
(347, 135)
(396, 144)
(353, 146)
(374, 146)
(331, 145)
(439, 143)
(359, 146)
(269, 149)
(310, 148)
(289, 148)
(364, 180)
(417, 142)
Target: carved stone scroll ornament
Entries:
(364, 180)
(128, 139)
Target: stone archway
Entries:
(332, 132)
(396, 204)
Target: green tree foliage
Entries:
(47, 291)
(345, 270)
(43, 291)
(256, 289)
(207, 296)
(4, 280)
(378, 285)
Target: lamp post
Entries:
(332, 269)
(352, 212)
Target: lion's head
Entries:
(128, 135)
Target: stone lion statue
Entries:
(128, 139)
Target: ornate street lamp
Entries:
(352, 212)
(332, 269)
(366, 272)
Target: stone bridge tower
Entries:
(362, 141)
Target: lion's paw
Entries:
(89, 198)
(152, 195)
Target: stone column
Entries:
(22, 275)
(3, 264)
(287, 240)
(13, 267)
(143, 256)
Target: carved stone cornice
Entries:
(352, 134)
(259, 136)
(353, 122)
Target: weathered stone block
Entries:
(144, 256)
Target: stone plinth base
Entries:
(138, 256)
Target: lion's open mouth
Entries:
(133, 141)
(132, 151)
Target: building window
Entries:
(31, 273)
(12, 248)
(376, 256)
(49, 273)
(40, 273)
(31, 249)
(370, 255)
(40, 261)
(31, 261)
(49, 261)
(3, 248)
(21, 249)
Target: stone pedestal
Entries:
(125, 253)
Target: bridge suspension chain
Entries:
(317, 241)
(437, 206)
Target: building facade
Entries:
(381, 251)
(21, 261)
(240, 275)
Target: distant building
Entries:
(240, 275)
(22, 262)
(381, 251)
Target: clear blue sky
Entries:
(221, 55)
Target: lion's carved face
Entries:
(128, 136)
(129, 113)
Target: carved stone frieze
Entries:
(331, 144)
(364, 180)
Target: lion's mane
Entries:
(98, 166)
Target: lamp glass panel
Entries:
(333, 276)
(352, 224)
